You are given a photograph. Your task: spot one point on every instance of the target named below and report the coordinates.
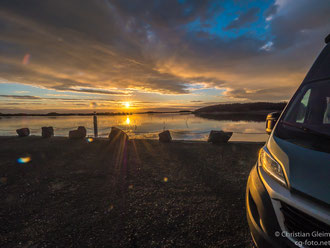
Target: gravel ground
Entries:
(75, 193)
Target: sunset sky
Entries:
(119, 55)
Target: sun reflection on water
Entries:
(128, 121)
(140, 126)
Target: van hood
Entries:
(308, 171)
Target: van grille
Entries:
(299, 222)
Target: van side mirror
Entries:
(271, 121)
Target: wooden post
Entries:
(95, 124)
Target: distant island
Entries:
(240, 111)
(219, 111)
(98, 113)
(242, 107)
(166, 112)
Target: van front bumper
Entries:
(261, 217)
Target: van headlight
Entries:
(270, 165)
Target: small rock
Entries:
(217, 137)
(75, 134)
(117, 134)
(80, 133)
(83, 130)
(165, 136)
(23, 132)
(47, 132)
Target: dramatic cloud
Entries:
(53, 98)
(130, 48)
(20, 97)
(244, 19)
(270, 12)
(270, 94)
(300, 23)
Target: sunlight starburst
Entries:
(127, 104)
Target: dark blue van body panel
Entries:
(309, 170)
(321, 67)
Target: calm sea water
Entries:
(182, 126)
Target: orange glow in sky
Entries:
(225, 52)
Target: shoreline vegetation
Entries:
(62, 192)
(214, 111)
(239, 111)
(257, 108)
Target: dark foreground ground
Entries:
(102, 194)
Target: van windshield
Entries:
(307, 121)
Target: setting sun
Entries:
(127, 104)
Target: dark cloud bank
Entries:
(116, 47)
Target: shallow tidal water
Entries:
(182, 126)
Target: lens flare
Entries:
(165, 179)
(24, 160)
(90, 140)
(26, 59)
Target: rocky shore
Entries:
(59, 192)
